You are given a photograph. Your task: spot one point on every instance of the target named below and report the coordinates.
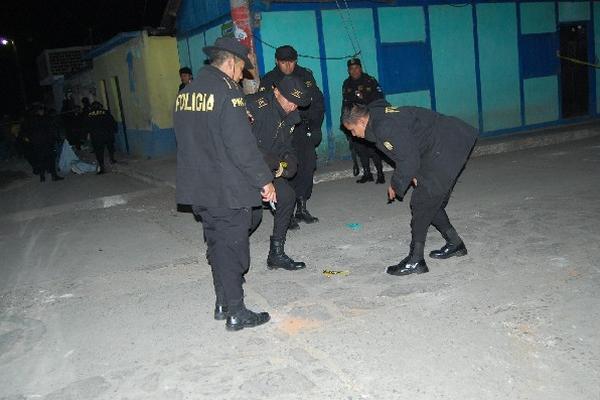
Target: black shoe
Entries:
(278, 259)
(366, 178)
(42, 178)
(293, 224)
(407, 267)
(246, 319)
(380, 178)
(449, 250)
(302, 214)
(355, 170)
(101, 171)
(58, 178)
(220, 312)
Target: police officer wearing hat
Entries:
(307, 134)
(362, 88)
(102, 128)
(274, 116)
(186, 76)
(222, 174)
(430, 150)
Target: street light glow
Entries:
(4, 41)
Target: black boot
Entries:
(302, 214)
(293, 224)
(278, 259)
(355, 169)
(380, 177)
(414, 263)
(42, 177)
(55, 177)
(454, 246)
(220, 311)
(239, 317)
(367, 177)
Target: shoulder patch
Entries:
(391, 109)
(262, 102)
(238, 102)
(388, 145)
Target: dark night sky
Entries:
(36, 25)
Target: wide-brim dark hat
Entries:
(232, 46)
(294, 90)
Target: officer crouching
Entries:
(274, 116)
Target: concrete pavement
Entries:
(116, 302)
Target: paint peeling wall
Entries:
(145, 71)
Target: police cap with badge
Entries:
(286, 53)
(294, 90)
(232, 46)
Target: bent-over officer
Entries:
(274, 116)
(430, 150)
(222, 174)
(307, 135)
(362, 88)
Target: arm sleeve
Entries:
(316, 114)
(405, 154)
(241, 145)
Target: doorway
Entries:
(574, 78)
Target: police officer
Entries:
(41, 134)
(430, 150)
(222, 174)
(102, 128)
(307, 134)
(185, 75)
(274, 117)
(361, 88)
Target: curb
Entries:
(484, 147)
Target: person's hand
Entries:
(414, 182)
(391, 193)
(268, 193)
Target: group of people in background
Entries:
(42, 132)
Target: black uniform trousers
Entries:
(286, 200)
(99, 142)
(44, 159)
(434, 188)
(227, 232)
(302, 182)
(366, 151)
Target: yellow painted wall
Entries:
(162, 68)
(147, 69)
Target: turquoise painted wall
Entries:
(401, 24)
(573, 11)
(538, 18)
(303, 37)
(183, 52)
(597, 50)
(541, 99)
(499, 65)
(197, 57)
(337, 69)
(453, 57)
(420, 98)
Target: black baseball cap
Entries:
(232, 46)
(354, 61)
(286, 53)
(294, 90)
(185, 70)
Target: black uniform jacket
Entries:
(100, 124)
(424, 144)
(273, 128)
(218, 162)
(363, 90)
(40, 131)
(309, 131)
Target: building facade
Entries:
(136, 78)
(493, 64)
